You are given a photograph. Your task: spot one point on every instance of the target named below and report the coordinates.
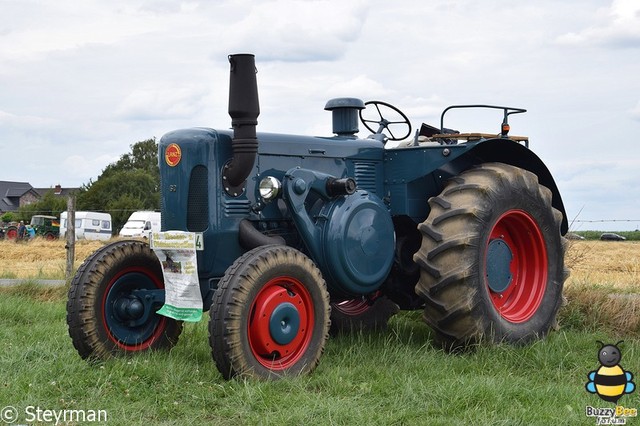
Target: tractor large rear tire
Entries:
(492, 258)
(114, 274)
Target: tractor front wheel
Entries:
(113, 301)
(270, 315)
(492, 258)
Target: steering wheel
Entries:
(398, 121)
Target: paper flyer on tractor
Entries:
(176, 251)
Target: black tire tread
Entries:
(233, 294)
(82, 318)
(446, 283)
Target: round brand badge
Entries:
(172, 154)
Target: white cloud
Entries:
(8, 120)
(635, 112)
(83, 163)
(299, 31)
(82, 81)
(619, 27)
(162, 103)
(361, 85)
(75, 25)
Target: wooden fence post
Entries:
(71, 236)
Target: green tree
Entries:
(131, 183)
(49, 204)
(143, 156)
(8, 217)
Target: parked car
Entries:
(573, 236)
(141, 224)
(610, 236)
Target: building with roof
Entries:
(14, 195)
(57, 190)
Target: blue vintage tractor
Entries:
(303, 235)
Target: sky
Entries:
(82, 81)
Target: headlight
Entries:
(269, 188)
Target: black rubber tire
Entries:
(235, 302)
(362, 314)
(454, 278)
(88, 328)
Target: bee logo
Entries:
(610, 381)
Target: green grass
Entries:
(8, 275)
(393, 378)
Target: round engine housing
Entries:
(358, 241)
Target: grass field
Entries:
(395, 377)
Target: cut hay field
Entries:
(40, 258)
(602, 292)
(610, 263)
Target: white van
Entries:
(89, 225)
(141, 224)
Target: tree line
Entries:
(129, 184)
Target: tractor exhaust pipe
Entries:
(244, 110)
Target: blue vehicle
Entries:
(305, 235)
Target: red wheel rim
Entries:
(275, 350)
(522, 297)
(12, 234)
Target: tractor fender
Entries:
(509, 152)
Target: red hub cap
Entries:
(281, 323)
(516, 266)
